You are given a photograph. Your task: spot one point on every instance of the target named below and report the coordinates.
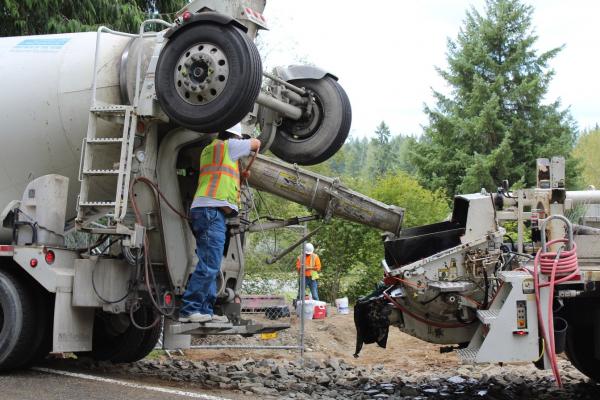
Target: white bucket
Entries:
(309, 308)
(342, 305)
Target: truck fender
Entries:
(292, 72)
(202, 17)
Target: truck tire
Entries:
(580, 350)
(147, 343)
(18, 321)
(42, 344)
(208, 77)
(116, 339)
(310, 141)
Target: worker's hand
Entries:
(245, 174)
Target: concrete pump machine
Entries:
(102, 133)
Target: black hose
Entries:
(102, 298)
(140, 327)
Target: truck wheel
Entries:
(312, 140)
(18, 321)
(208, 77)
(147, 343)
(42, 344)
(116, 339)
(580, 350)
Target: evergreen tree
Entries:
(494, 123)
(19, 17)
(380, 155)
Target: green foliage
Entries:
(422, 205)
(342, 246)
(31, 17)
(587, 151)
(495, 122)
(350, 253)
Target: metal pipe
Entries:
(325, 195)
(288, 85)
(239, 346)
(584, 196)
(279, 256)
(294, 97)
(286, 109)
(303, 290)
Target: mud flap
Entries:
(371, 318)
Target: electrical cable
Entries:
(148, 273)
(102, 298)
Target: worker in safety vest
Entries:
(216, 198)
(312, 266)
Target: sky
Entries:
(385, 52)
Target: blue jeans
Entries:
(312, 285)
(208, 224)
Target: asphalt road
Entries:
(48, 384)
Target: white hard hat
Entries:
(309, 248)
(236, 130)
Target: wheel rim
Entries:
(201, 73)
(307, 126)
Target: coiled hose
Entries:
(561, 266)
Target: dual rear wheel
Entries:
(26, 327)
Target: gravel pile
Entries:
(336, 379)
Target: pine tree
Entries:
(30, 17)
(495, 121)
(380, 157)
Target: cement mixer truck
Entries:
(102, 134)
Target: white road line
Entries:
(128, 384)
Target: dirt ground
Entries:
(334, 336)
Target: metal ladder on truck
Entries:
(121, 167)
(89, 209)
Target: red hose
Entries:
(565, 267)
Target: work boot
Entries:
(220, 318)
(195, 317)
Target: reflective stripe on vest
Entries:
(219, 174)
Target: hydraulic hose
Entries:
(561, 266)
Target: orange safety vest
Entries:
(219, 174)
(312, 263)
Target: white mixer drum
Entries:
(45, 95)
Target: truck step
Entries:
(488, 316)
(101, 172)
(468, 355)
(110, 109)
(513, 276)
(227, 328)
(105, 140)
(97, 204)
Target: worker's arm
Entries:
(239, 148)
(317, 263)
(254, 144)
